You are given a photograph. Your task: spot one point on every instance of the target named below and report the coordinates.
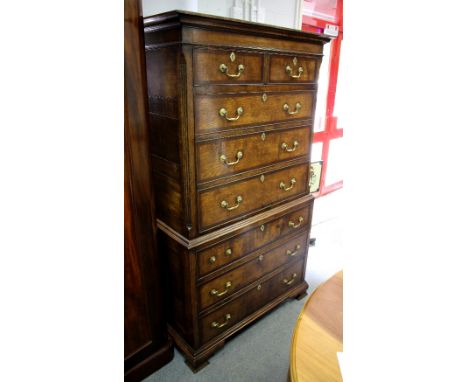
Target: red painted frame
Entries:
(313, 24)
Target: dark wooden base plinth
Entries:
(301, 296)
(198, 359)
(196, 369)
(149, 365)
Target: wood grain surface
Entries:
(318, 335)
(258, 150)
(255, 194)
(254, 269)
(200, 214)
(146, 343)
(249, 302)
(207, 62)
(197, 35)
(258, 236)
(278, 73)
(255, 110)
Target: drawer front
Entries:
(293, 69)
(225, 285)
(213, 66)
(258, 236)
(221, 112)
(222, 157)
(226, 203)
(224, 318)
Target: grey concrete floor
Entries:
(261, 352)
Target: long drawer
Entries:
(234, 200)
(226, 111)
(228, 315)
(220, 157)
(213, 258)
(228, 283)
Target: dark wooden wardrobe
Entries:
(147, 345)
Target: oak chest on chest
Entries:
(231, 119)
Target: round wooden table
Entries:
(318, 335)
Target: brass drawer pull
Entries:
(289, 70)
(292, 182)
(225, 204)
(223, 113)
(286, 108)
(291, 254)
(289, 282)
(224, 69)
(215, 292)
(223, 159)
(216, 324)
(291, 223)
(228, 252)
(285, 146)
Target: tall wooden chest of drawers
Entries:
(231, 117)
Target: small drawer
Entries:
(256, 237)
(227, 316)
(224, 112)
(225, 285)
(229, 156)
(213, 66)
(293, 69)
(232, 201)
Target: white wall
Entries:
(280, 12)
(153, 7)
(277, 12)
(217, 7)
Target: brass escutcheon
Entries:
(223, 68)
(289, 70)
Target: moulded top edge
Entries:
(203, 20)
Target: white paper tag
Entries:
(331, 30)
